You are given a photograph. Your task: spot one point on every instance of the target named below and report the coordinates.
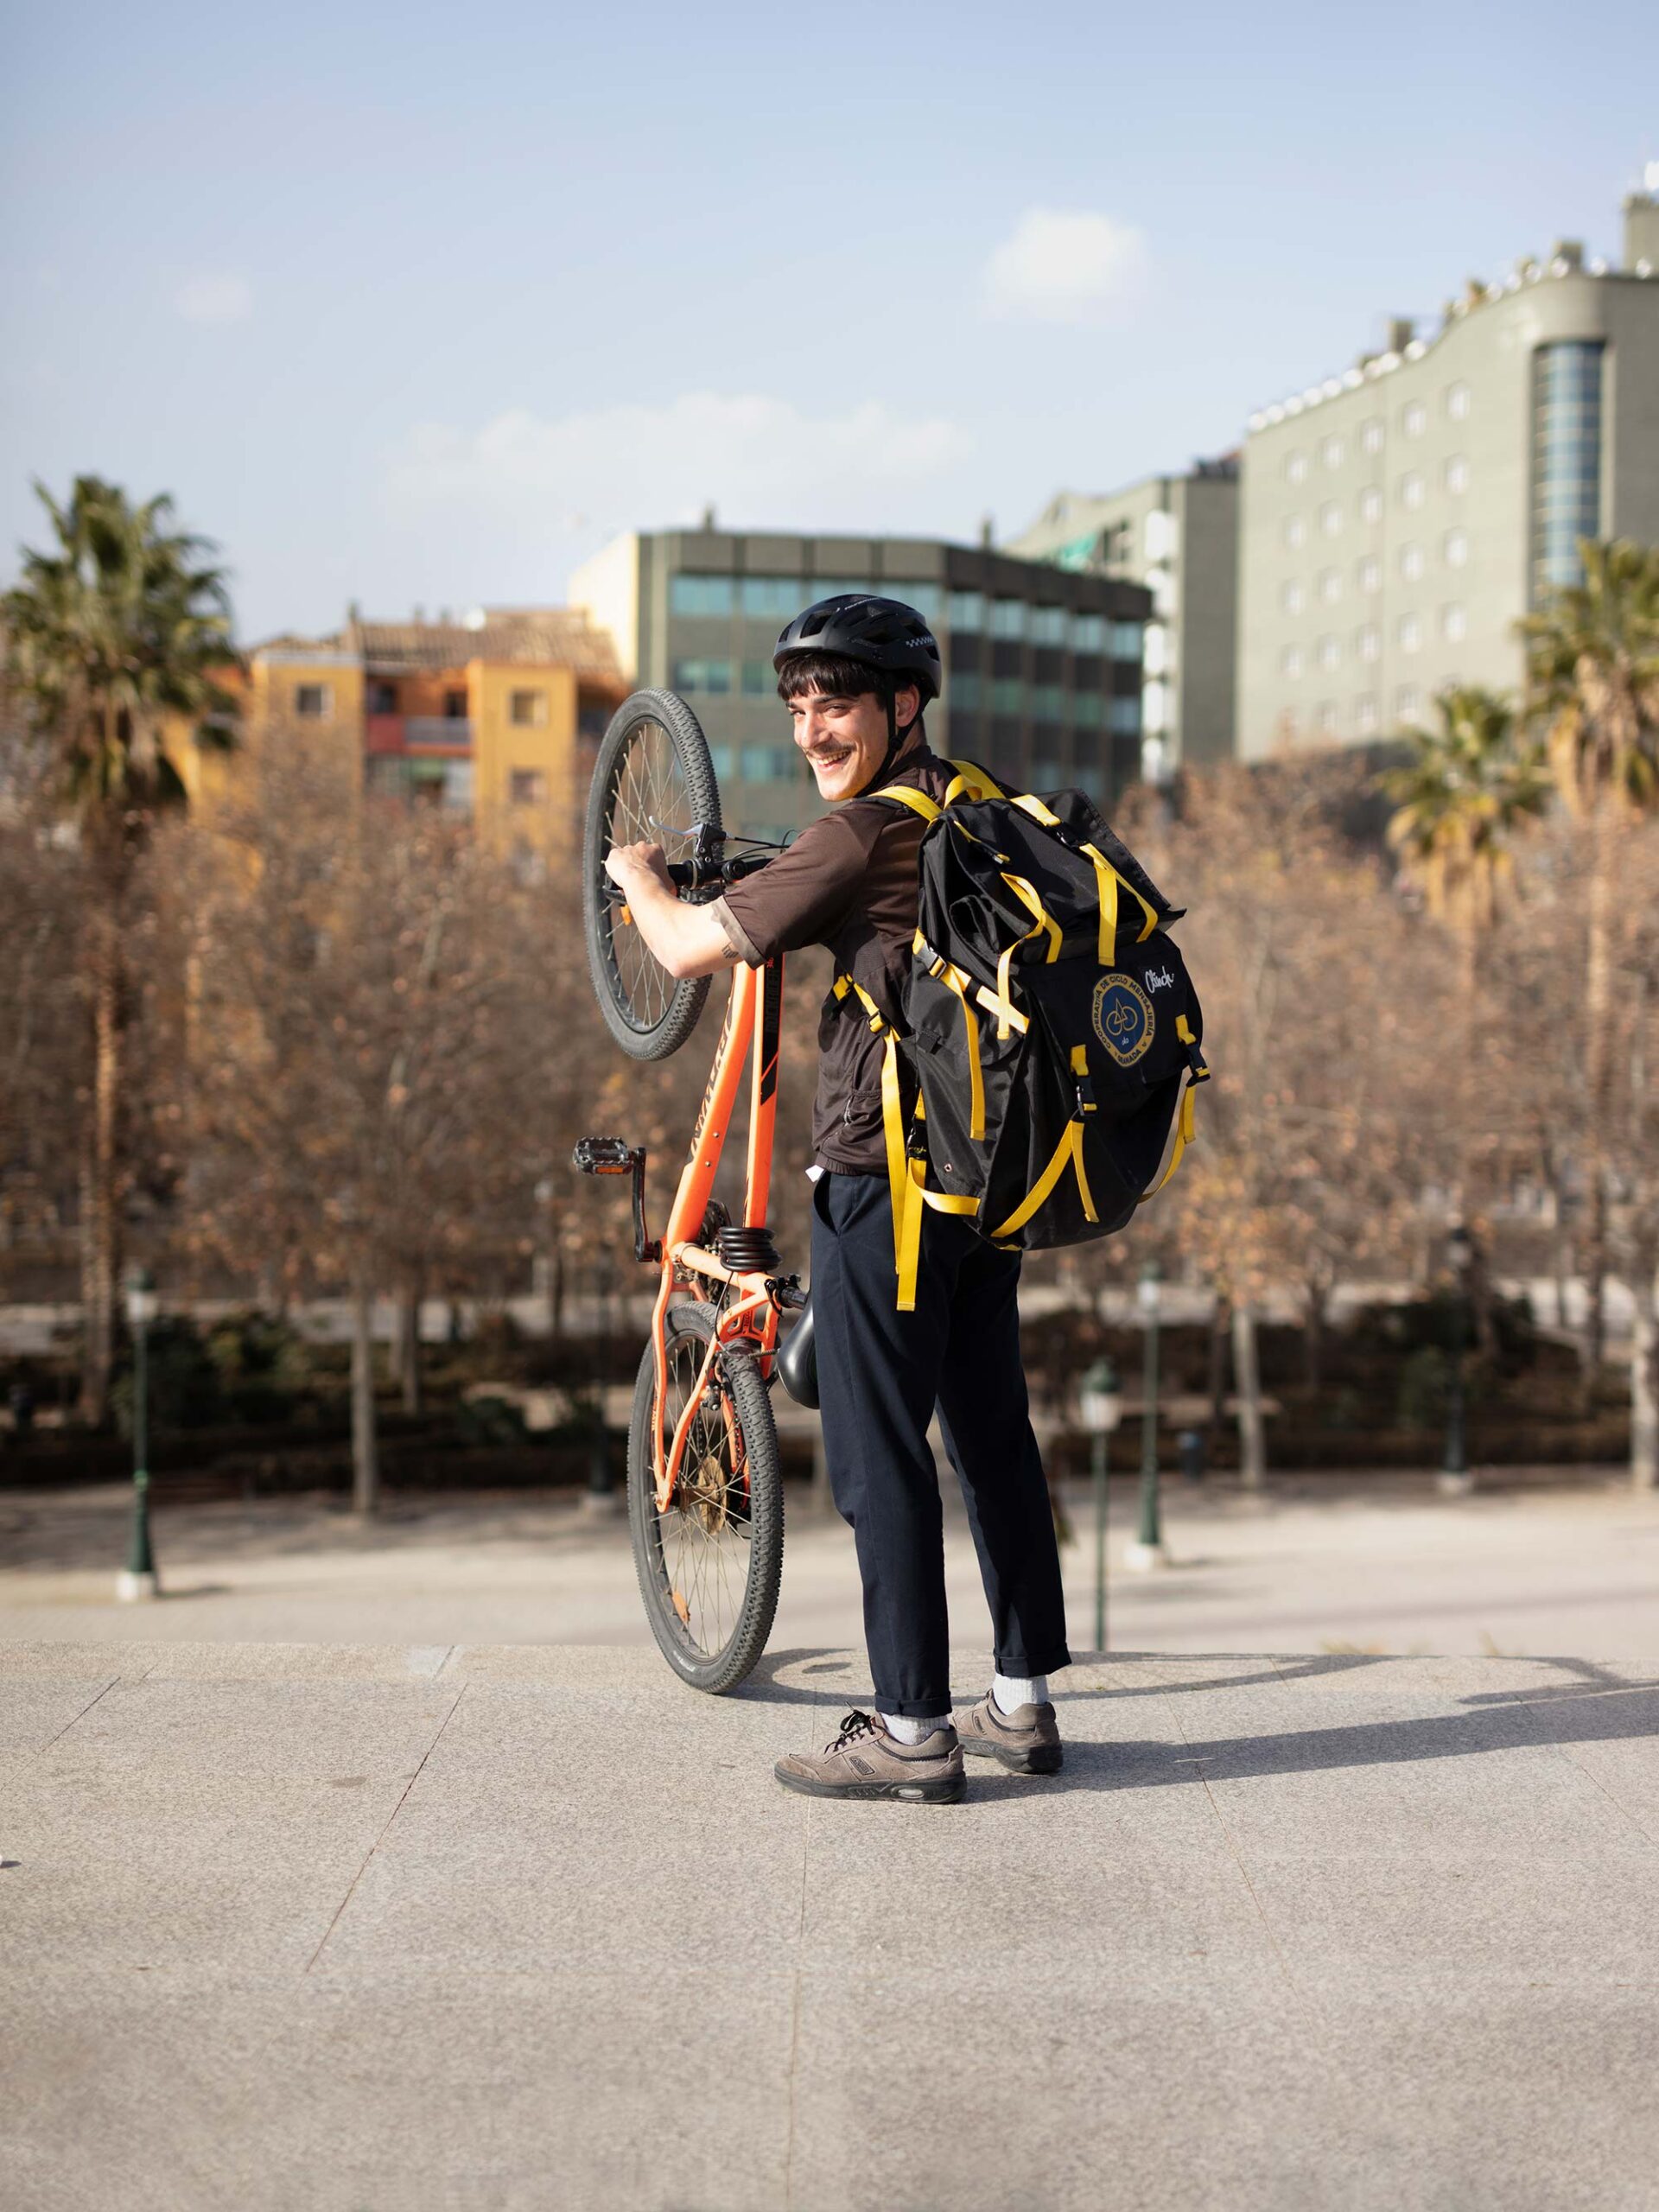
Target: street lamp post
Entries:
(138, 1578)
(1455, 1479)
(1102, 1408)
(1148, 1552)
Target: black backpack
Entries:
(1042, 1082)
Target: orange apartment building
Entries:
(495, 716)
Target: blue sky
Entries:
(420, 306)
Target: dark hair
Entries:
(836, 674)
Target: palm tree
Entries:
(1592, 686)
(112, 638)
(1469, 789)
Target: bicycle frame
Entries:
(752, 1019)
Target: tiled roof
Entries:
(545, 635)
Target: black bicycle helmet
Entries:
(882, 634)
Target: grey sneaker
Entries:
(864, 1761)
(1026, 1741)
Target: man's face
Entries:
(844, 738)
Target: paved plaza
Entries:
(1385, 1565)
(485, 1929)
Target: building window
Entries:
(927, 599)
(1368, 642)
(1453, 623)
(1088, 633)
(1370, 505)
(1456, 401)
(527, 787)
(1295, 532)
(771, 599)
(527, 709)
(1290, 661)
(1088, 710)
(1409, 703)
(1566, 459)
(1409, 633)
(701, 596)
(1368, 574)
(964, 690)
(313, 702)
(1329, 519)
(1411, 562)
(722, 759)
(1126, 642)
(1008, 696)
(1413, 418)
(1456, 549)
(457, 786)
(1160, 536)
(1045, 702)
(1457, 474)
(702, 676)
(1411, 489)
(1330, 585)
(383, 698)
(1331, 453)
(1371, 435)
(1008, 618)
(1295, 468)
(1330, 652)
(759, 677)
(1047, 626)
(966, 611)
(766, 763)
(1328, 720)
(454, 706)
(1290, 598)
(1124, 716)
(1366, 716)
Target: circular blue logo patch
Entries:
(1123, 1018)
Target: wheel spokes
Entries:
(648, 792)
(703, 1543)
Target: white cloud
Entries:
(1065, 267)
(210, 298)
(762, 462)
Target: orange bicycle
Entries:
(704, 1483)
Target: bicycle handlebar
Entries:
(693, 875)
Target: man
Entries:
(856, 673)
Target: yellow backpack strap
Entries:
(970, 781)
(1067, 1154)
(1030, 804)
(1185, 1133)
(918, 802)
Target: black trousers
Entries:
(880, 1373)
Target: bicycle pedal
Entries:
(604, 1156)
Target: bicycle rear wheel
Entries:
(709, 1568)
(653, 781)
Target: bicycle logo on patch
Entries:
(1123, 1019)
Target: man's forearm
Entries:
(688, 940)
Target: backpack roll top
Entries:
(1052, 1035)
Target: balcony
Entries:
(438, 733)
(384, 733)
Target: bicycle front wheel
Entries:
(709, 1568)
(653, 783)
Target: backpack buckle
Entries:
(1086, 1090)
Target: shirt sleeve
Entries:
(799, 898)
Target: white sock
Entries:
(1012, 1691)
(904, 1729)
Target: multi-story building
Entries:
(494, 717)
(1399, 519)
(1042, 665)
(1178, 537)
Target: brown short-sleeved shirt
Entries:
(848, 882)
